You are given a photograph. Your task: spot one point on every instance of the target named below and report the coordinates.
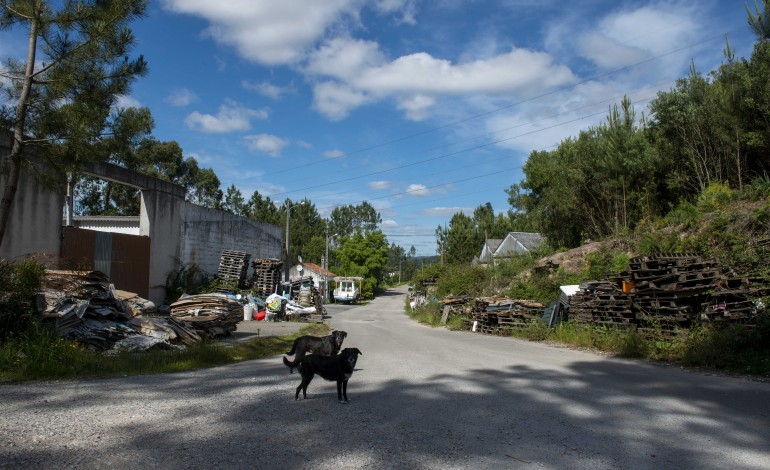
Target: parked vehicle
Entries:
(348, 289)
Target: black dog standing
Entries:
(327, 346)
(333, 368)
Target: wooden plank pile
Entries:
(498, 315)
(211, 315)
(454, 305)
(601, 303)
(233, 267)
(666, 292)
(670, 288)
(736, 300)
(84, 307)
(267, 275)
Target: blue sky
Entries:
(422, 107)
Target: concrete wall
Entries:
(205, 233)
(178, 231)
(35, 222)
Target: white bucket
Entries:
(248, 312)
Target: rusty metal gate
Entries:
(124, 258)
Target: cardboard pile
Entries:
(84, 307)
(211, 315)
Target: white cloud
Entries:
(304, 145)
(334, 154)
(445, 211)
(268, 89)
(335, 100)
(363, 75)
(512, 72)
(268, 32)
(344, 58)
(125, 101)
(417, 190)
(379, 185)
(266, 143)
(232, 116)
(407, 9)
(626, 36)
(416, 107)
(386, 224)
(181, 97)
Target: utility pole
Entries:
(288, 258)
(326, 269)
(400, 257)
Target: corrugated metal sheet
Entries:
(124, 258)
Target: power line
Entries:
(509, 106)
(447, 155)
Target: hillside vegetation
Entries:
(731, 227)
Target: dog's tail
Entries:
(291, 365)
(293, 347)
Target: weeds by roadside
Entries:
(737, 348)
(38, 354)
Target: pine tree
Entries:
(59, 102)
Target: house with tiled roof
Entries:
(314, 271)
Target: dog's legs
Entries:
(303, 386)
(342, 391)
(339, 391)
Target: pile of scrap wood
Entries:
(498, 315)
(667, 292)
(233, 267)
(211, 315)
(85, 308)
(267, 275)
(453, 305)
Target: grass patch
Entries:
(429, 314)
(38, 354)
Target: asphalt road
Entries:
(421, 398)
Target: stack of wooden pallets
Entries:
(669, 291)
(267, 275)
(233, 267)
(498, 315)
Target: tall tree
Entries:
(234, 201)
(459, 242)
(345, 220)
(364, 254)
(203, 186)
(305, 225)
(759, 21)
(263, 209)
(58, 101)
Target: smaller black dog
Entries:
(339, 368)
(327, 346)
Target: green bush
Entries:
(188, 279)
(20, 283)
(757, 189)
(462, 279)
(535, 330)
(738, 348)
(715, 196)
(602, 263)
